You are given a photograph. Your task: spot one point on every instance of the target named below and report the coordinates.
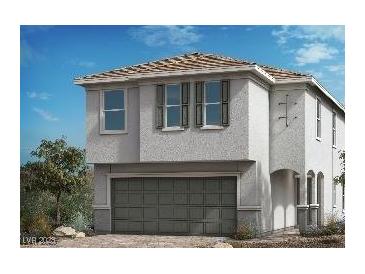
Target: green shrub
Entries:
(245, 231)
(76, 208)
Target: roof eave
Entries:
(246, 68)
(312, 81)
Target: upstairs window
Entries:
(172, 106)
(318, 119)
(113, 112)
(334, 129)
(173, 99)
(212, 104)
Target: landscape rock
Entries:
(222, 245)
(64, 231)
(80, 235)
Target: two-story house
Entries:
(199, 143)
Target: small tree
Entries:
(59, 169)
(341, 178)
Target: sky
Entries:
(51, 106)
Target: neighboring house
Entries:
(199, 143)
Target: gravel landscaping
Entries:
(289, 239)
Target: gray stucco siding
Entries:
(195, 144)
(111, 148)
(287, 144)
(320, 156)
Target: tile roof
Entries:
(186, 62)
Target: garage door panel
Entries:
(181, 212)
(212, 228)
(229, 185)
(135, 184)
(212, 213)
(196, 228)
(166, 212)
(150, 198)
(135, 213)
(212, 199)
(166, 198)
(121, 185)
(196, 198)
(120, 212)
(181, 227)
(196, 185)
(136, 227)
(150, 184)
(181, 198)
(228, 227)
(228, 213)
(120, 198)
(229, 199)
(135, 198)
(166, 227)
(212, 185)
(193, 206)
(165, 184)
(150, 213)
(150, 227)
(196, 213)
(181, 185)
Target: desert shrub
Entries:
(245, 231)
(76, 208)
(333, 226)
(37, 225)
(33, 205)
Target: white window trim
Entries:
(318, 138)
(334, 129)
(165, 127)
(205, 125)
(102, 115)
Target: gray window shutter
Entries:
(185, 98)
(160, 102)
(199, 99)
(225, 102)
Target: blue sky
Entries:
(51, 56)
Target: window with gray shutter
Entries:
(199, 97)
(160, 101)
(225, 102)
(185, 98)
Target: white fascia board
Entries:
(312, 81)
(247, 68)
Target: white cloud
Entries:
(38, 95)
(309, 33)
(338, 69)
(46, 115)
(155, 36)
(314, 53)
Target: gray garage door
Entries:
(179, 206)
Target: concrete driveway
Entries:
(142, 241)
